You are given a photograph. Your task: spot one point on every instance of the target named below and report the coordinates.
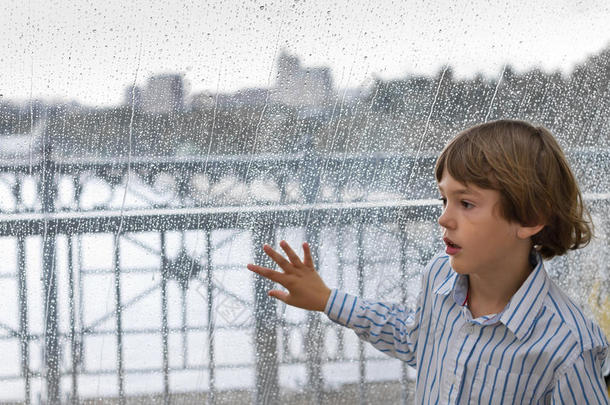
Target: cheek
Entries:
(497, 236)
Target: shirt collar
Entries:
(522, 310)
(445, 285)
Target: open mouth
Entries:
(450, 243)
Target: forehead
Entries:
(449, 185)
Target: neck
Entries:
(489, 293)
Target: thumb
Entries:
(280, 295)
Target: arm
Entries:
(581, 383)
(390, 328)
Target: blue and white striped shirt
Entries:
(539, 349)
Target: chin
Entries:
(457, 266)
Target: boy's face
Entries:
(477, 238)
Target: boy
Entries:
(490, 326)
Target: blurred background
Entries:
(149, 149)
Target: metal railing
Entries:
(51, 223)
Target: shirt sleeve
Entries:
(390, 328)
(582, 382)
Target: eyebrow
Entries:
(461, 191)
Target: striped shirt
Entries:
(539, 349)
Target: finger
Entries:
(294, 258)
(270, 274)
(280, 295)
(276, 257)
(307, 259)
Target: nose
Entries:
(446, 220)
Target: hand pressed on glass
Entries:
(305, 287)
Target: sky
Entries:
(91, 51)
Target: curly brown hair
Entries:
(527, 166)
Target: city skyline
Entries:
(89, 54)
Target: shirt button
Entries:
(469, 328)
(456, 380)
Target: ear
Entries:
(526, 232)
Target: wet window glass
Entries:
(149, 149)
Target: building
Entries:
(300, 86)
(162, 94)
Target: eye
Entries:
(466, 204)
(443, 200)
